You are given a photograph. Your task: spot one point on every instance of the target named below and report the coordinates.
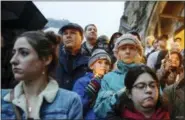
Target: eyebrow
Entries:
(145, 83)
(21, 48)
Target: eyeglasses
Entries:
(143, 86)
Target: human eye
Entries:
(73, 32)
(24, 52)
(13, 52)
(107, 62)
(132, 47)
(65, 33)
(99, 61)
(153, 85)
(140, 85)
(123, 48)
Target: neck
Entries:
(147, 112)
(35, 87)
(73, 51)
(91, 42)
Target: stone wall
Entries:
(136, 16)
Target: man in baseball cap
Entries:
(72, 26)
(72, 64)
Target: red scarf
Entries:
(160, 114)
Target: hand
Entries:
(167, 65)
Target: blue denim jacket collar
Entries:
(49, 93)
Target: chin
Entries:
(148, 105)
(127, 61)
(18, 77)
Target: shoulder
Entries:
(112, 75)
(67, 95)
(4, 92)
(169, 90)
(86, 78)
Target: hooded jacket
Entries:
(112, 87)
(80, 88)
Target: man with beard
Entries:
(90, 33)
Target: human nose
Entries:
(14, 60)
(127, 50)
(148, 89)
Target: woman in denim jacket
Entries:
(37, 96)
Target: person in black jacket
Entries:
(72, 63)
(90, 33)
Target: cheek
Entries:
(33, 66)
(120, 55)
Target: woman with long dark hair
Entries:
(37, 96)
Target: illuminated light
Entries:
(169, 42)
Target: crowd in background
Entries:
(56, 76)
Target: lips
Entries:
(149, 98)
(68, 41)
(17, 70)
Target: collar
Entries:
(123, 67)
(49, 93)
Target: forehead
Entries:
(127, 45)
(174, 55)
(102, 60)
(22, 42)
(91, 27)
(145, 78)
(71, 29)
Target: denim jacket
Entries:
(53, 103)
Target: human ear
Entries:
(47, 60)
(92, 67)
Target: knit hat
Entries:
(98, 54)
(128, 39)
(71, 25)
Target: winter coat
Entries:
(175, 95)
(53, 103)
(80, 88)
(125, 110)
(112, 87)
(168, 77)
(86, 50)
(67, 76)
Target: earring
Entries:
(43, 72)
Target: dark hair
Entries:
(178, 54)
(44, 44)
(89, 25)
(134, 73)
(103, 38)
(163, 37)
(111, 44)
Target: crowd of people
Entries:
(62, 77)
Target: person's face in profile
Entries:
(25, 60)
